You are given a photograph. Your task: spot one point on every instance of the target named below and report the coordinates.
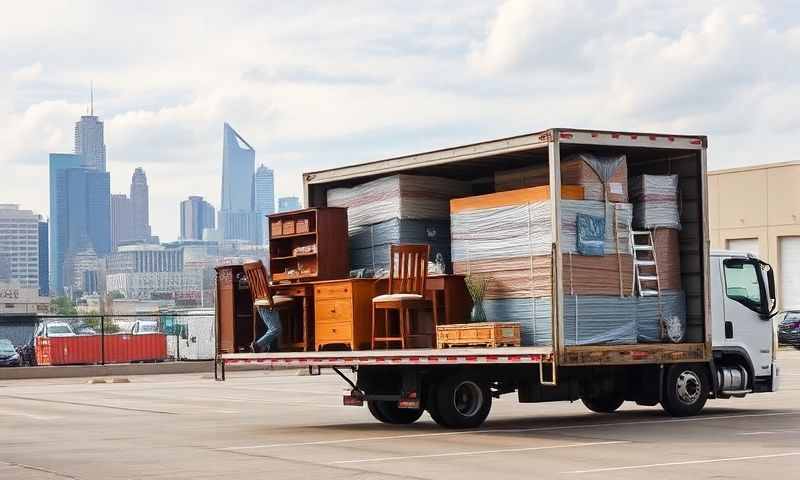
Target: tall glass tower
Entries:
(265, 200)
(237, 217)
(140, 206)
(89, 140)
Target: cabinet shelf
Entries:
(291, 257)
(294, 235)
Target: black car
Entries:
(789, 329)
(8, 354)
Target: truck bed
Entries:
(582, 355)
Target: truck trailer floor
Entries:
(283, 426)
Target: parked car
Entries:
(789, 329)
(144, 327)
(8, 354)
(83, 329)
(54, 329)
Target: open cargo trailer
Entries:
(400, 384)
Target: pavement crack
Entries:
(82, 404)
(40, 469)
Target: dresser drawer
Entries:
(334, 311)
(330, 332)
(334, 290)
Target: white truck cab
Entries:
(743, 336)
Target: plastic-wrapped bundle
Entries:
(509, 231)
(655, 199)
(589, 171)
(398, 196)
(519, 277)
(524, 230)
(623, 213)
(668, 257)
(661, 318)
(533, 315)
(369, 244)
(590, 320)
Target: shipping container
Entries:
(86, 349)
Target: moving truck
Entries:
(728, 349)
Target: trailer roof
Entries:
(510, 145)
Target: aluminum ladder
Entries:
(644, 255)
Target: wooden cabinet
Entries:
(308, 245)
(234, 310)
(343, 313)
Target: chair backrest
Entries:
(257, 279)
(408, 268)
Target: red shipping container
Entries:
(85, 349)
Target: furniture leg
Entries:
(305, 324)
(373, 326)
(403, 321)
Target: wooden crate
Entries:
(489, 334)
(288, 227)
(276, 228)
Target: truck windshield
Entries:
(742, 285)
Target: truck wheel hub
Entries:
(467, 398)
(688, 387)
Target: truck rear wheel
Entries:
(461, 403)
(686, 390)
(388, 412)
(603, 404)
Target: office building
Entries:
(16, 299)
(59, 162)
(237, 216)
(287, 204)
(264, 200)
(196, 215)
(19, 245)
(44, 259)
(82, 219)
(757, 210)
(121, 220)
(89, 142)
(151, 271)
(140, 206)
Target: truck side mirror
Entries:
(768, 300)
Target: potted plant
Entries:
(476, 285)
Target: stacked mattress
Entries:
(506, 237)
(602, 178)
(397, 209)
(655, 199)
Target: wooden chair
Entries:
(261, 293)
(408, 270)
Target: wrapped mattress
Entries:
(398, 196)
(655, 199)
(592, 172)
(369, 244)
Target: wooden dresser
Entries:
(343, 313)
(234, 310)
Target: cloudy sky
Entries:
(319, 84)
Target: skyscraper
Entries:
(287, 204)
(140, 206)
(264, 199)
(44, 259)
(237, 216)
(196, 215)
(89, 140)
(59, 163)
(121, 220)
(81, 219)
(19, 244)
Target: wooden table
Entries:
(447, 292)
(305, 291)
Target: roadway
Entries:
(281, 425)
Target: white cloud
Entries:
(316, 85)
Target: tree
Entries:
(116, 295)
(63, 306)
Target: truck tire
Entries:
(388, 412)
(462, 403)
(430, 404)
(686, 390)
(603, 404)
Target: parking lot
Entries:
(283, 425)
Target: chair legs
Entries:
(405, 325)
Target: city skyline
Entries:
(238, 218)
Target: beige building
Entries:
(757, 210)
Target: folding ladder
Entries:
(644, 255)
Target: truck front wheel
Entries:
(686, 390)
(388, 412)
(461, 403)
(603, 404)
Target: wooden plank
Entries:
(513, 197)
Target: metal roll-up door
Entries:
(789, 248)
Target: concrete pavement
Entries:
(281, 426)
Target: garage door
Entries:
(790, 272)
(747, 245)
